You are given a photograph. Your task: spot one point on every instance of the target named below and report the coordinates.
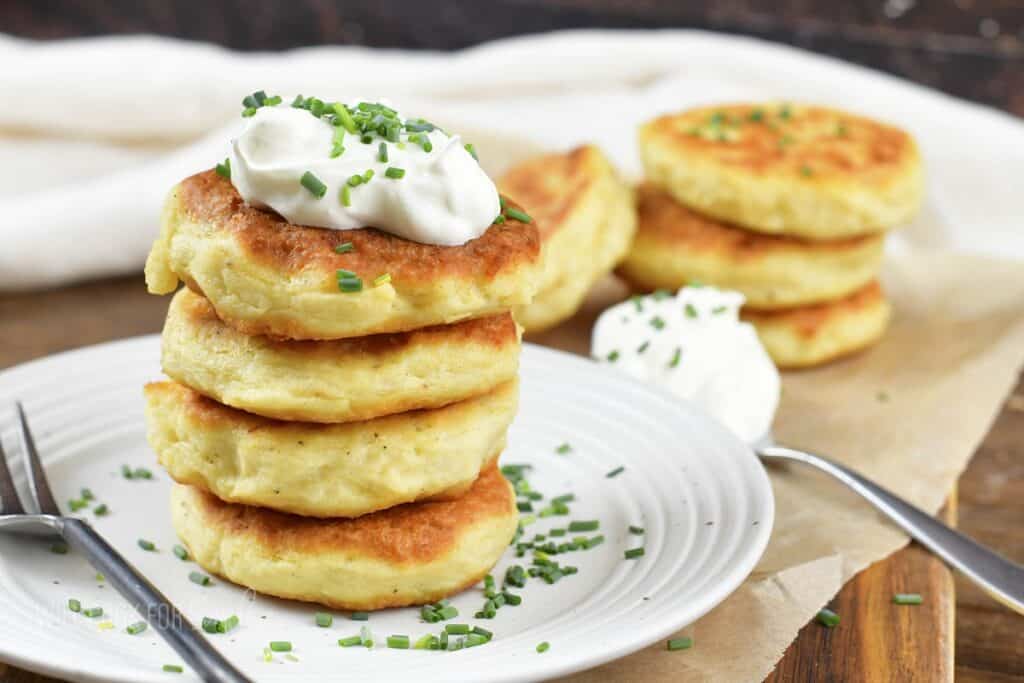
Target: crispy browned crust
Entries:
(412, 534)
(275, 243)
(495, 331)
(807, 320)
(816, 143)
(552, 185)
(663, 220)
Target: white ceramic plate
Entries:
(699, 493)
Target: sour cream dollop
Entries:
(694, 345)
(443, 197)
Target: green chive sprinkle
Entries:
(323, 619)
(637, 530)
(74, 605)
(148, 546)
(173, 669)
(93, 612)
(806, 170)
(756, 115)
(827, 617)
(228, 624)
(613, 356)
(126, 472)
(354, 180)
(524, 506)
(268, 656)
(137, 628)
(345, 195)
(657, 323)
(676, 356)
(280, 646)
(344, 248)
(180, 553)
(634, 553)
(382, 152)
(472, 150)
(457, 629)
(87, 494)
(199, 578)
(77, 504)
(520, 216)
(719, 310)
(498, 220)
(211, 625)
(588, 525)
(366, 635)
(224, 169)
(398, 642)
(543, 647)
(691, 311)
(101, 510)
(447, 612)
(382, 279)
(351, 641)
(643, 347)
(141, 473)
(350, 284)
(680, 644)
(563, 449)
(315, 186)
(360, 616)
(616, 472)
(907, 599)
(394, 172)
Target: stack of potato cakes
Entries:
(339, 399)
(786, 204)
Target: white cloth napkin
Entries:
(93, 132)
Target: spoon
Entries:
(997, 576)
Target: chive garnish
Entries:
(323, 619)
(344, 248)
(360, 616)
(472, 150)
(691, 311)
(638, 530)
(806, 170)
(93, 612)
(382, 152)
(180, 553)
(524, 506)
(315, 186)
(199, 578)
(381, 279)
(137, 628)
(907, 599)
(101, 510)
(426, 642)
(211, 625)
(616, 472)
(588, 525)
(224, 169)
(394, 172)
(280, 646)
(563, 449)
(643, 347)
(148, 546)
(457, 629)
(173, 669)
(398, 642)
(657, 323)
(543, 647)
(349, 283)
(87, 494)
(367, 636)
(612, 356)
(680, 643)
(634, 553)
(351, 641)
(77, 504)
(228, 624)
(676, 356)
(520, 216)
(74, 605)
(827, 617)
(141, 473)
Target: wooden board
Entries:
(875, 641)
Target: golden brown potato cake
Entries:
(406, 555)
(786, 169)
(264, 275)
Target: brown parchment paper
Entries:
(908, 413)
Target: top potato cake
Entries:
(803, 171)
(264, 275)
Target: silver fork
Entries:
(46, 519)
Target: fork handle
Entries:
(1000, 578)
(155, 608)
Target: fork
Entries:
(155, 608)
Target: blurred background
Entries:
(969, 48)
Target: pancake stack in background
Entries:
(786, 204)
(587, 218)
(338, 399)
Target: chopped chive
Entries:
(280, 646)
(315, 186)
(806, 170)
(367, 636)
(634, 553)
(498, 220)
(101, 510)
(907, 599)
(142, 473)
(394, 172)
(224, 169)
(827, 617)
(616, 472)
(180, 553)
(359, 616)
(93, 612)
(524, 506)
(588, 525)
(148, 546)
(382, 279)
(691, 310)
(345, 195)
(512, 599)
(77, 504)
(719, 310)
(657, 323)
(472, 150)
(447, 612)
(481, 631)
(354, 180)
(350, 284)
(594, 541)
(398, 642)
(637, 530)
(676, 356)
(680, 643)
(268, 656)
(211, 625)
(564, 498)
(612, 356)
(351, 641)
(563, 449)
(344, 248)
(323, 619)
(74, 605)
(228, 624)
(756, 115)
(475, 639)
(137, 628)
(557, 532)
(199, 578)
(520, 216)
(87, 494)
(99, 577)
(426, 642)
(457, 629)
(126, 472)
(382, 152)
(543, 647)
(643, 347)
(173, 669)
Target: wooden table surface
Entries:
(989, 644)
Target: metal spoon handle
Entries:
(1000, 578)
